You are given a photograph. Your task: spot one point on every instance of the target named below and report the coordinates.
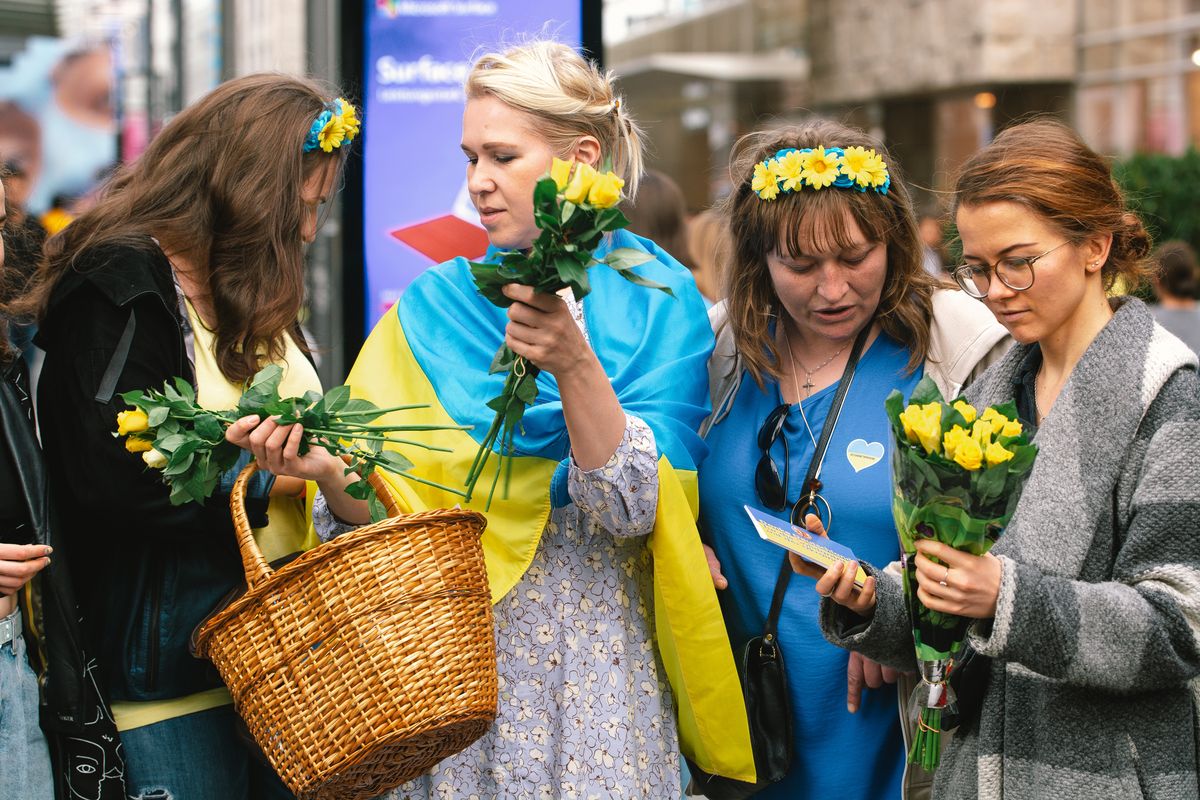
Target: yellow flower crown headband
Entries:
(815, 168)
(337, 124)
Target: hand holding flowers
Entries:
(191, 446)
(573, 207)
(957, 477)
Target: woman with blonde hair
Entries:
(190, 266)
(604, 462)
(1084, 610)
(828, 310)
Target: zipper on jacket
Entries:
(156, 578)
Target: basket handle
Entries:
(256, 567)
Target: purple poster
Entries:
(417, 211)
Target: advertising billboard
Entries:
(416, 208)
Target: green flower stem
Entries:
(378, 411)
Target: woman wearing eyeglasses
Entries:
(826, 261)
(1087, 604)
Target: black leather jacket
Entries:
(62, 688)
(145, 572)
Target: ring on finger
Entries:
(945, 578)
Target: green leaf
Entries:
(158, 415)
(545, 194)
(626, 258)
(394, 462)
(181, 465)
(568, 210)
(336, 399)
(186, 390)
(359, 490)
(207, 426)
(168, 444)
(377, 509)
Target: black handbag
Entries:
(760, 662)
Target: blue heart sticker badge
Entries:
(862, 454)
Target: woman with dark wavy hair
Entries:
(1084, 611)
(191, 265)
(826, 261)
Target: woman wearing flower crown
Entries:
(826, 256)
(600, 480)
(1085, 608)
(191, 265)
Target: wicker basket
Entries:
(366, 660)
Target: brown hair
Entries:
(1178, 273)
(1044, 165)
(660, 214)
(570, 97)
(220, 185)
(759, 227)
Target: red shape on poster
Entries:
(444, 238)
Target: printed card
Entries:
(814, 549)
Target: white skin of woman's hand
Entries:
(19, 563)
(972, 582)
(862, 671)
(541, 328)
(837, 582)
(277, 448)
(714, 568)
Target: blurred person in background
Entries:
(933, 248)
(191, 265)
(709, 245)
(1177, 285)
(826, 261)
(660, 215)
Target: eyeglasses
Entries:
(772, 490)
(1015, 272)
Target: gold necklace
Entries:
(796, 388)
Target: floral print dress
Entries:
(585, 709)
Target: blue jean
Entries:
(24, 756)
(200, 756)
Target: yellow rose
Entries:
(969, 455)
(605, 191)
(581, 182)
(136, 444)
(923, 425)
(953, 439)
(132, 421)
(1011, 428)
(996, 419)
(997, 454)
(966, 409)
(560, 171)
(981, 432)
(154, 459)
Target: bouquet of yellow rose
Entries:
(956, 477)
(187, 442)
(573, 206)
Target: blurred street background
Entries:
(84, 85)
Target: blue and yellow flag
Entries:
(435, 348)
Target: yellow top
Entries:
(289, 529)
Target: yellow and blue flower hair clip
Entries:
(337, 124)
(791, 170)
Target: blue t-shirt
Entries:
(838, 754)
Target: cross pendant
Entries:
(808, 386)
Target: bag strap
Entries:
(814, 470)
(116, 365)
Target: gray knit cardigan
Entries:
(1095, 639)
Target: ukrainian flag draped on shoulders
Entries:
(435, 347)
